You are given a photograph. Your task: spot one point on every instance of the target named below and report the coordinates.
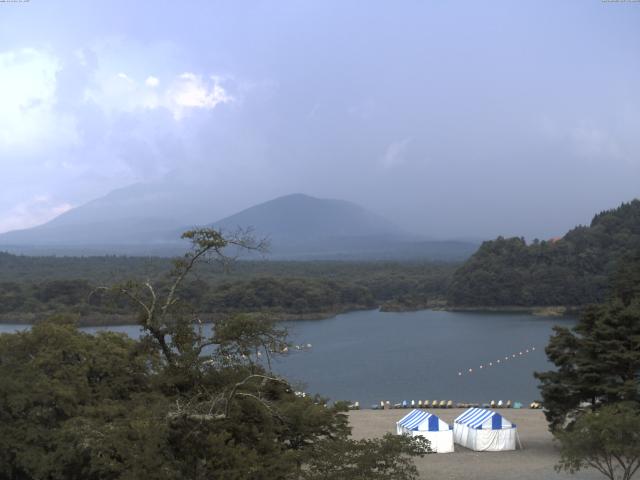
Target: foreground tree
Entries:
(183, 402)
(607, 440)
(376, 459)
(598, 361)
(592, 399)
(77, 406)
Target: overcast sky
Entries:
(453, 118)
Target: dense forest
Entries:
(32, 288)
(570, 271)
(176, 403)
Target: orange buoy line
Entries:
(499, 361)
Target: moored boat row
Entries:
(387, 405)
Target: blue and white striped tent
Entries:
(483, 418)
(484, 430)
(425, 424)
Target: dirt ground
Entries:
(534, 462)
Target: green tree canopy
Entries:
(572, 271)
(592, 399)
(176, 404)
(607, 440)
(598, 361)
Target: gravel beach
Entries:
(534, 462)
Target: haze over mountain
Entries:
(301, 217)
(140, 213)
(301, 226)
(149, 218)
(471, 119)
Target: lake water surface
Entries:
(370, 356)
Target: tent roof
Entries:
(415, 418)
(480, 418)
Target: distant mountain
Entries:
(142, 213)
(570, 271)
(303, 227)
(147, 219)
(298, 217)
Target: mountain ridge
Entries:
(299, 226)
(301, 215)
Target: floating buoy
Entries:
(498, 361)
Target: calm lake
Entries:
(370, 356)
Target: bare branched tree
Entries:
(217, 406)
(181, 339)
(157, 310)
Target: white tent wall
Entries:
(439, 442)
(488, 440)
(478, 430)
(421, 423)
(460, 431)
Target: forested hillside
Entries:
(32, 288)
(573, 270)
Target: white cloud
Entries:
(35, 211)
(191, 91)
(125, 77)
(152, 81)
(118, 92)
(79, 123)
(187, 91)
(28, 119)
(80, 55)
(395, 153)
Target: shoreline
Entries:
(102, 320)
(538, 311)
(105, 320)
